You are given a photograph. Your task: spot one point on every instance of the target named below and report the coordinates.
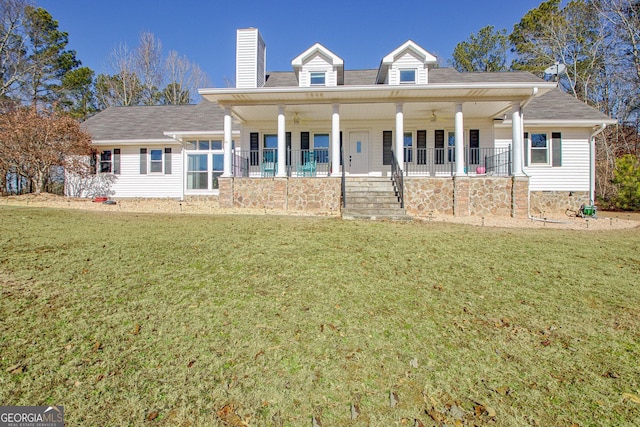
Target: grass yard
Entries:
(132, 319)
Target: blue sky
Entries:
(361, 33)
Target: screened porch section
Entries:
(431, 162)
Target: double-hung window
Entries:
(318, 78)
(408, 147)
(321, 147)
(154, 161)
(539, 149)
(543, 149)
(110, 161)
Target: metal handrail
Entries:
(343, 182)
(398, 180)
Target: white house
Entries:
(503, 143)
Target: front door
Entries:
(357, 161)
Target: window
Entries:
(105, 161)
(452, 146)
(217, 169)
(542, 150)
(407, 76)
(321, 147)
(270, 149)
(205, 163)
(156, 161)
(408, 147)
(317, 78)
(110, 161)
(197, 171)
(539, 148)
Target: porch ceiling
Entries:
(374, 102)
(371, 111)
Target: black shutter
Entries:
(143, 161)
(439, 146)
(254, 148)
(93, 169)
(556, 141)
(474, 146)
(116, 161)
(304, 140)
(421, 145)
(387, 140)
(525, 142)
(288, 141)
(167, 160)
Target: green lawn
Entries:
(131, 319)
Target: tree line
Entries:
(45, 93)
(598, 43)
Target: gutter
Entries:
(592, 162)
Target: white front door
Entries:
(357, 159)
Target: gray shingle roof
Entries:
(557, 105)
(149, 122)
(451, 75)
(436, 75)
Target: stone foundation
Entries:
(491, 196)
(556, 203)
(467, 196)
(314, 195)
(424, 196)
(480, 196)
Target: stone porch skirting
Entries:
(457, 196)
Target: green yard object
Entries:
(587, 211)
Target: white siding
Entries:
(408, 61)
(573, 175)
(250, 59)
(318, 63)
(130, 183)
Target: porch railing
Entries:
(398, 180)
(418, 162)
(264, 163)
(442, 161)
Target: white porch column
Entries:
(516, 138)
(228, 141)
(335, 141)
(282, 144)
(459, 140)
(399, 149)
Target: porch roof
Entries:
(148, 124)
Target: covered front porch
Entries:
(435, 130)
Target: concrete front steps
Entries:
(372, 198)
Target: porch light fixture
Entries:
(433, 117)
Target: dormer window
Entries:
(407, 76)
(318, 78)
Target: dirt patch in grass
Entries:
(131, 318)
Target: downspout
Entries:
(592, 162)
